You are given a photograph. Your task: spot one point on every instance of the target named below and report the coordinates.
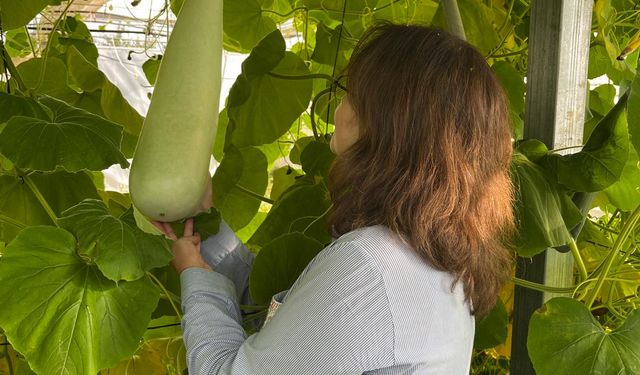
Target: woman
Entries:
(422, 206)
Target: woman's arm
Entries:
(225, 253)
(335, 320)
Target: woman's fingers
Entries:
(188, 228)
(169, 232)
(158, 225)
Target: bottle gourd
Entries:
(170, 165)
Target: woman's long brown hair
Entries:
(433, 155)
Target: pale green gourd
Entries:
(170, 165)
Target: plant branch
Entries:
(41, 199)
(314, 102)
(33, 49)
(285, 14)
(48, 45)
(12, 221)
(12, 68)
(541, 287)
(582, 269)
(166, 293)
(626, 231)
(255, 195)
(317, 219)
(308, 76)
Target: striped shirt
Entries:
(366, 304)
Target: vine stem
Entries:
(12, 221)
(541, 287)
(318, 218)
(314, 102)
(48, 45)
(308, 76)
(286, 14)
(166, 293)
(582, 269)
(41, 199)
(12, 68)
(255, 195)
(627, 230)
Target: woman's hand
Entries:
(186, 250)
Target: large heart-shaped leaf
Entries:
(603, 157)
(241, 170)
(13, 105)
(245, 23)
(61, 313)
(15, 14)
(72, 138)
(118, 247)
(304, 200)
(54, 82)
(543, 210)
(564, 338)
(279, 263)
(261, 108)
(60, 190)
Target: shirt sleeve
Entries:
(226, 254)
(335, 320)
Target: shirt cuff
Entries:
(194, 280)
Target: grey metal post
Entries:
(559, 37)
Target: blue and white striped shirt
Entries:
(367, 304)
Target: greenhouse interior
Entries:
(291, 187)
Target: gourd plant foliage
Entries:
(84, 279)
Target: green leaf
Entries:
(316, 159)
(151, 67)
(221, 133)
(117, 109)
(533, 149)
(601, 99)
(205, 223)
(60, 190)
(75, 33)
(55, 81)
(328, 43)
(17, 43)
(276, 102)
(603, 157)
(240, 169)
(283, 178)
(513, 84)
(72, 138)
(13, 105)
(85, 75)
(61, 313)
(543, 210)
(298, 147)
(564, 338)
(492, 329)
(18, 202)
(304, 199)
(625, 193)
(117, 246)
(278, 265)
(15, 14)
(245, 23)
(633, 113)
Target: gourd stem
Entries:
(541, 287)
(582, 269)
(166, 293)
(626, 231)
(41, 199)
(12, 221)
(255, 195)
